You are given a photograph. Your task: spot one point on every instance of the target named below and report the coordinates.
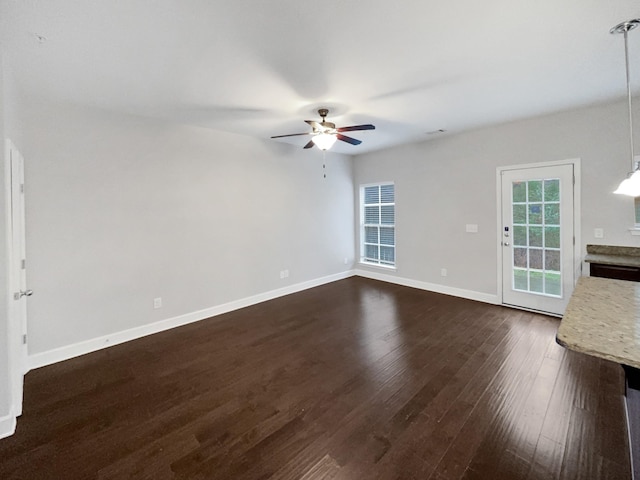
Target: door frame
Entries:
(18, 365)
(577, 209)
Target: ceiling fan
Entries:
(325, 133)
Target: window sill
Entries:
(634, 230)
(377, 265)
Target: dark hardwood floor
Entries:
(353, 380)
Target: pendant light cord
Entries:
(634, 167)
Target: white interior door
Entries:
(17, 276)
(537, 237)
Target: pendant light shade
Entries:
(631, 185)
(324, 141)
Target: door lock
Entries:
(22, 293)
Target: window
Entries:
(378, 219)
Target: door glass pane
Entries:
(535, 281)
(520, 257)
(535, 214)
(552, 214)
(520, 279)
(535, 191)
(519, 192)
(552, 284)
(535, 258)
(519, 214)
(552, 260)
(552, 237)
(536, 236)
(519, 235)
(552, 190)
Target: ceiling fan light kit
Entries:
(631, 185)
(324, 141)
(324, 134)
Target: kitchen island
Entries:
(603, 320)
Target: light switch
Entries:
(472, 228)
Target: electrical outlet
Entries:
(598, 233)
(471, 228)
(443, 272)
(346, 261)
(157, 302)
(284, 273)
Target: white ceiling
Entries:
(262, 67)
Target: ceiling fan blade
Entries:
(310, 144)
(356, 127)
(314, 124)
(291, 135)
(350, 140)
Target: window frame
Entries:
(363, 243)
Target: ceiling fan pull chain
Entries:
(324, 163)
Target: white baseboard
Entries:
(70, 351)
(65, 353)
(7, 426)
(432, 287)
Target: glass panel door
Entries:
(537, 237)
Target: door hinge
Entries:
(23, 264)
(24, 339)
(22, 188)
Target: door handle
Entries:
(506, 244)
(22, 293)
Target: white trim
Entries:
(431, 287)
(552, 163)
(577, 209)
(377, 265)
(70, 351)
(7, 426)
(16, 350)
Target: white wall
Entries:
(443, 184)
(122, 209)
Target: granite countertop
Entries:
(613, 255)
(603, 320)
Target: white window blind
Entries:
(378, 232)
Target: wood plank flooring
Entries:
(356, 379)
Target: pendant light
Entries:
(631, 185)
